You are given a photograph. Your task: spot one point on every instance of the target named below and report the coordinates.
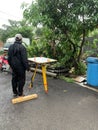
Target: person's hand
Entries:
(28, 69)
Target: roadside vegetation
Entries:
(59, 29)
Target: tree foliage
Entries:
(15, 27)
(69, 21)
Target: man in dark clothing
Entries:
(17, 58)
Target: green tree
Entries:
(69, 21)
(15, 27)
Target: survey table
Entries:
(43, 61)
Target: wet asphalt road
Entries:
(67, 106)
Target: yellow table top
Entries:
(41, 60)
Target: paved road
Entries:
(67, 106)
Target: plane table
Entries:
(43, 61)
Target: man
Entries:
(17, 58)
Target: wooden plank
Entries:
(24, 98)
(48, 73)
(79, 79)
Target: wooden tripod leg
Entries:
(44, 78)
(33, 76)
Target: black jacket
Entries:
(17, 56)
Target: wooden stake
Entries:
(24, 98)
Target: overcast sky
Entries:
(10, 9)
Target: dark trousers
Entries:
(18, 81)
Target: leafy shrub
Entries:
(81, 70)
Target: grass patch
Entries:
(69, 80)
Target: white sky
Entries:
(11, 9)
